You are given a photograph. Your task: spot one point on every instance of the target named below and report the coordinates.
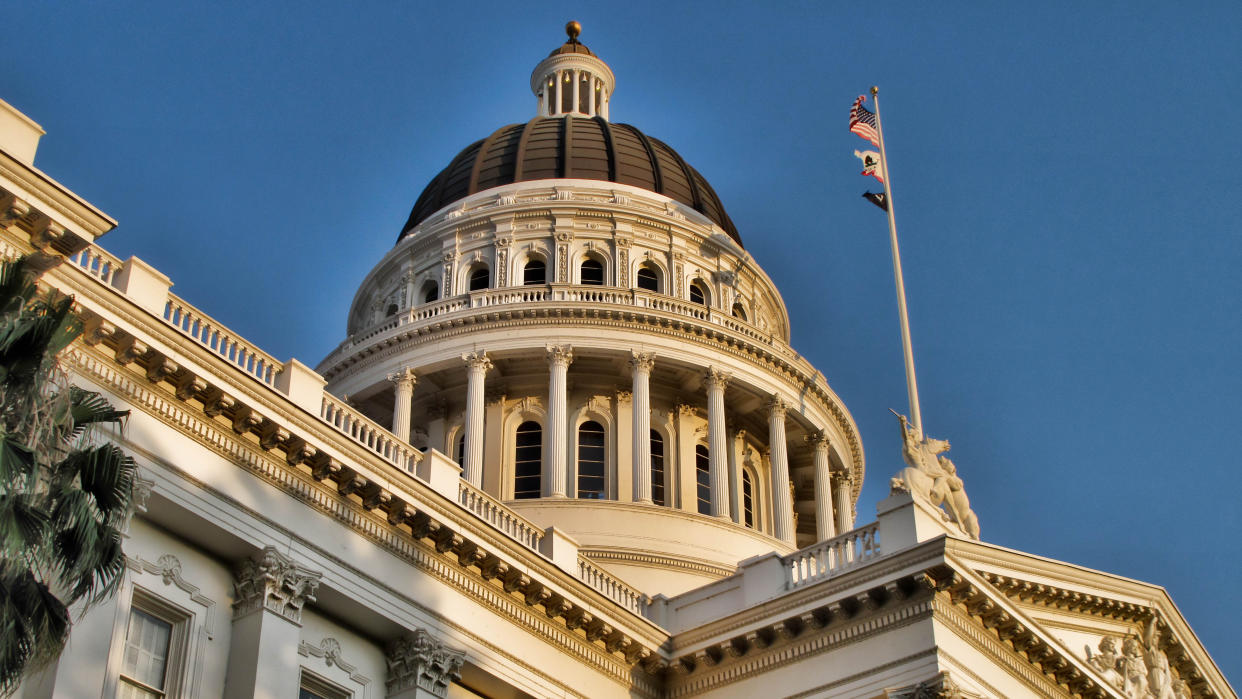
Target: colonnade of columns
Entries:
(552, 103)
(832, 489)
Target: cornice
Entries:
(32, 183)
(651, 560)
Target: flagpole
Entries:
(912, 386)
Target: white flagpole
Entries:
(912, 386)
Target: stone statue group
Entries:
(932, 477)
(1141, 669)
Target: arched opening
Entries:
(431, 292)
(480, 278)
(748, 499)
(591, 272)
(459, 449)
(657, 468)
(739, 311)
(698, 293)
(528, 461)
(535, 272)
(702, 479)
(592, 484)
(648, 278)
(392, 310)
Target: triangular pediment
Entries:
(1095, 634)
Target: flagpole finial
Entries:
(874, 90)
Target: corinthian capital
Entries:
(716, 378)
(477, 360)
(560, 355)
(642, 361)
(818, 440)
(404, 377)
(419, 660)
(777, 406)
(275, 583)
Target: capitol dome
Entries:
(570, 316)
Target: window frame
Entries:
(603, 460)
(662, 481)
(703, 289)
(534, 260)
(146, 602)
(702, 478)
(656, 273)
(321, 687)
(538, 493)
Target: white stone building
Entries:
(565, 450)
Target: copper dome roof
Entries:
(566, 147)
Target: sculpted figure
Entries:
(1159, 678)
(1107, 661)
(1133, 669)
(1181, 690)
(933, 478)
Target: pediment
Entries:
(1098, 634)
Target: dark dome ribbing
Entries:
(565, 147)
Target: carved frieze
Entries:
(272, 581)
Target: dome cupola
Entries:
(572, 80)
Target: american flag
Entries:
(862, 122)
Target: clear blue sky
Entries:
(1066, 183)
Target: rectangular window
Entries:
(315, 687)
(154, 648)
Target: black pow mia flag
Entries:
(879, 199)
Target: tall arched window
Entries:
(459, 449)
(535, 272)
(591, 272)
(657, 468)
(392, 310)
(698, 292)
(702, 479)
(480, 278)
(739, 311)
(431, 292)
(748, 500)
(591, 466)
(528, 460)
(648, 278)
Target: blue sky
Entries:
(1065, 178)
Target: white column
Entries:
(736, 504)
(591, 96)
(845, 513)
(825, 524)
(477, 365)
(577, 89)
(782, 507)
(718, 464)
(404, 381)
(559, 359)
(560, 81)
(642, 364)
(267, 621)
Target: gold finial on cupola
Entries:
(573, 29)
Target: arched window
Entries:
(480, 278)
(591, 466)
(703, 479)
(739, 311)
(528, 461)
(698, 292)
(657, 468)
(748, 500)
(535, 272)
(392, 310)
(648, 279)
(459, 449)
(591, 272)
(431, 292)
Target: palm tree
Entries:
(65, 493)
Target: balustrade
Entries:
(605, 584)
(495, 513)
(826, 558)
(98, 263)
(362, 430)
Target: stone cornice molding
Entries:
(645, 559)
(425, 521)
(419, 660)
(41, 197)
(272, 581)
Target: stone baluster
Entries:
(477, 365)
(559, 359)
(420, 667)
(782, 505)
(845, 517)
(718, 459)
(642, 364)
(270, 591)
(404, 381)
(825, 524)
